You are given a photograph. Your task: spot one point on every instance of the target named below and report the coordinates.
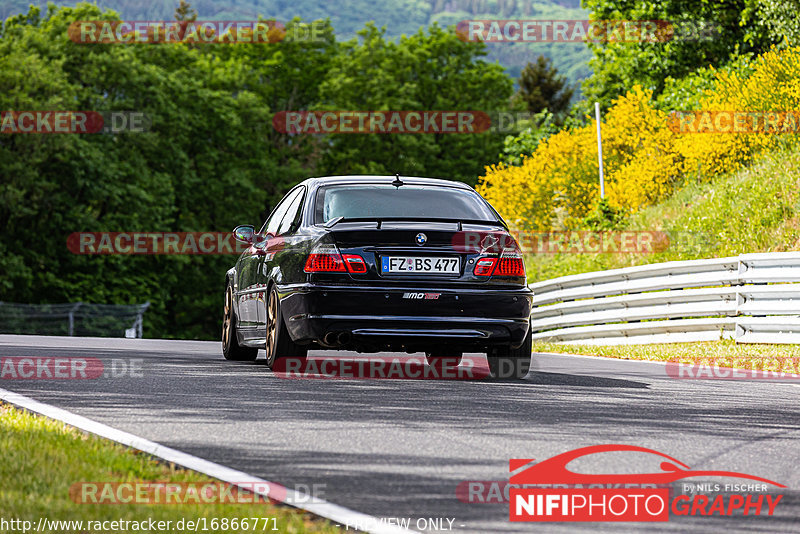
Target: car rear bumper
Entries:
(380, 318)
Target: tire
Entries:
(230, 343)
(443, 359)
(505, 362)
(279, 345)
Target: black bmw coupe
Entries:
(375, 263)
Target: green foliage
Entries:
(619, 66)
(754, 210)
(687, 93)
(542, 88)
(604, 216)
(182, 175)
(515, 146)
(431, 70)
(211, 159)
(185, 12)
(399, 17)
(775, 20)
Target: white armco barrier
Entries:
(751, 298)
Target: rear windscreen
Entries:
(384, 200)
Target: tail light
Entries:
(510, 265)
(355, 263)
(325, 259)
(484, 267)
(506, 265)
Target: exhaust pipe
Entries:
(343, 338)
(330, 339)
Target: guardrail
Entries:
(73, 319)
(751, 298)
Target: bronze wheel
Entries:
(230, 344)
(279, 344)
(272, 325)
(227, 323)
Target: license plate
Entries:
(427, 265)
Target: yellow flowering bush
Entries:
(552, 178)
(644, 159)
(561, 175)
(774, 85)
(649, 165)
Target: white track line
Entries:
(338, 514)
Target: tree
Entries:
(515, 147)
(775, 20)
(211, 158)
(207, 163)
(427, 71)
(698, 34)
(542, 88)
(185, 12)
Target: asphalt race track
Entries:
(400, 448)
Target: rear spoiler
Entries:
(379, 220)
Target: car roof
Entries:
(378, 179)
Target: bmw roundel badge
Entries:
(421, 239)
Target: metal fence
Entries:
(73, 319)
(749, 298)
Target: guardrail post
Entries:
(72, 318)
(140, 319)
(738, 332)
(741, 270)
(739, 303)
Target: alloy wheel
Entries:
(272, 324)
(226, 319)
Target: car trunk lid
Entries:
(424, 251)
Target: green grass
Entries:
(42, 458)
(754, 210)
(724, 353)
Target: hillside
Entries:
(399, 17)
(756, 209)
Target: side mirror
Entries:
(245, 233)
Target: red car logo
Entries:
(554, 470)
